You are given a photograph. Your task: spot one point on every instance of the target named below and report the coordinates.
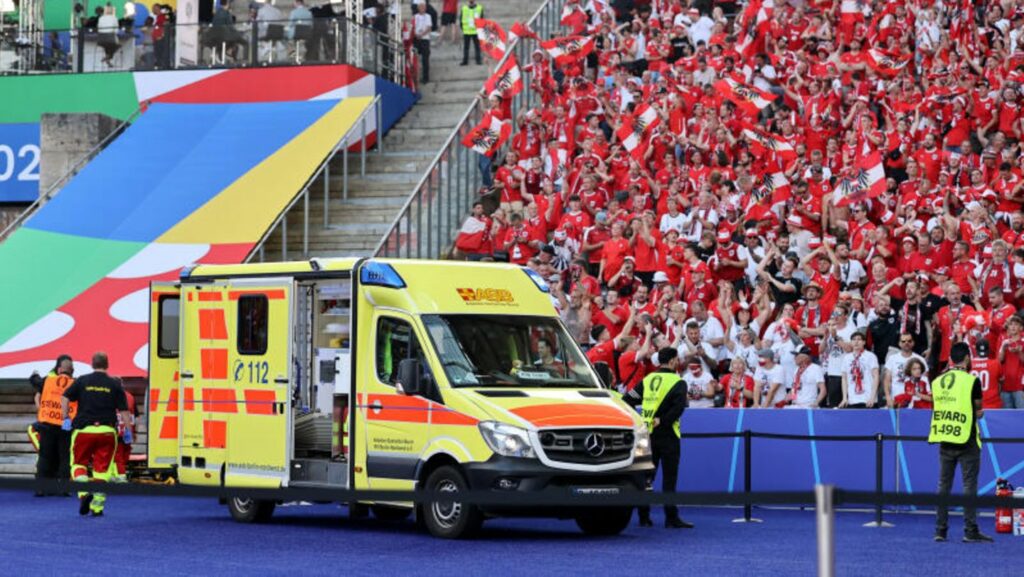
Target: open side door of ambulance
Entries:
(162, 396)
(235, 385)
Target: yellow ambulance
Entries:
(383, 374)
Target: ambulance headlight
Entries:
(506, 440)
(642, 446)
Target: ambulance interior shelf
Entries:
(330, 359)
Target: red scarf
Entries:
(736, 395)
(858, 375)
(797, 384)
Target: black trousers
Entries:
(423, 47)
(665, 452)
(969, 459)
(466, 41)
(54, 453)
(834, 392)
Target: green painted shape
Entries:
(57, 14)
(112, 94)
(45, 270)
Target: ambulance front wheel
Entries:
(609, 521)
(450, 519)
(246, 510)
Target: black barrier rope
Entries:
(854, 438)
(551, 497)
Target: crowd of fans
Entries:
(784, 277)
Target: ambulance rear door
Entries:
(206, 397)
(162, 396)
(259, 433)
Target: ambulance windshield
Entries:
(502, 350)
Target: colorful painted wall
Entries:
(120, 94)
(199, 177)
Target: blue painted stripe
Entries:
(900, 454)
(814, 447)
(735, 450)
(991, 449)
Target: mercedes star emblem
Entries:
(594, 444)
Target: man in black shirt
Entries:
(662, 395)
(885, 329)
(94, 440)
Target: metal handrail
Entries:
(58, 185)
(375, 107)
(546, 14)
(248, 34)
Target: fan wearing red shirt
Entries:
(635, 363)
(728, 264)
(614, 253)
(1011, 357)
(929, 158)
(738, 385)
(999, 312)
(987, 370)
(575, 218)
(700, 288)
(645, 240)
(951, 319)
(508, 176)
(519, 242)
(604, 350)
(594, 239)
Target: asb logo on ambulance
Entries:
(490, 296)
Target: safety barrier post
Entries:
(327, 189)
(305, 222)
(748, 437)
(362, 152)
(879, 456)
(344, 171)
(824, 511)
(380, 126)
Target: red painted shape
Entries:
(212, 326)
(259, 402)
(220, 401)
(270, 294)
(215, 434)
(574, 415)
(214, 364)
(287, 83)
(169, 428)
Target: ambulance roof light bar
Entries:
(380, 274)
(537, 280)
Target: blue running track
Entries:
(173, 536)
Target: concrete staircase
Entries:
(17, 412)
(359, 223)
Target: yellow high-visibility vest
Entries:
(953, 411)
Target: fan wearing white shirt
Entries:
(896, 368)
(860, 375)
(808, 382)
(837, 344)
(701, 387)
(769, 379)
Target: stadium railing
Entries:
(427, 222)
(243, 44)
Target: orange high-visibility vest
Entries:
(49, 400)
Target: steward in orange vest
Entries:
(54, 442)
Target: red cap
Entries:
(724, 236)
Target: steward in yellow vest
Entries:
(662, 399)
(956, 396)
(467, 18)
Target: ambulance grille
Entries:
(586, 446)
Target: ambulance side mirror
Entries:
(409, 382)
(605, 374)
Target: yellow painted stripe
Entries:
(244, 211)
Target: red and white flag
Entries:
(753, 25)
(747, 98)
(867, 182)
(507, 81)
(574, 17)
(776, 187)
(568, 49)
(633, 138)
(645, 117)
(520, 30)
(491, 35)
(763, 143)
(886, 63)
(851, 11)
(472, 235)
(488, 136)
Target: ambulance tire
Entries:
(250, 510)
(450, 520)
(606, 522)
(389, 513)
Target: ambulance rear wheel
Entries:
(450, 519)
(246, 510)
(609, 521)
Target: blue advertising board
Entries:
(19, 162)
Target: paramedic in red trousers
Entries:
(662, 397)
(94, 438)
